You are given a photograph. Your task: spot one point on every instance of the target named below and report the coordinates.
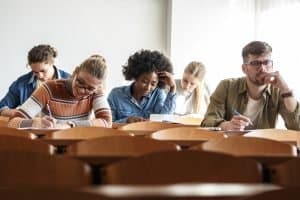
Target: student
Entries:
(68, 103)
(41, 61)
(150, 72)
(192, 92)
(253, 101)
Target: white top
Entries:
(184, 101)
(251, 110)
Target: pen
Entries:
(49, 111)
(235, 112)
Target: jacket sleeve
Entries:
(215, 113)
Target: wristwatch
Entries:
(71, 124)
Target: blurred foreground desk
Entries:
(181, 191)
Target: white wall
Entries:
(77, 28)
(213, 32)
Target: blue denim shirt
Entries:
(123, 104)
(21, 89)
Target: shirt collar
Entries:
(128, 90)
(32, 79)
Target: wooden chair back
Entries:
(23, 144)
(147, 127)
(286, 174)
(36, 169)
(186, 133)
(248, 146)
(16, 132)
(3, 121)
(284, 193)
(287, 136)
(119, 145)
(47, 193)
(186, 136)
(182, 166)
(84, 133)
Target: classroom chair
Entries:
(147, 127)
(23, 144)
(286, 136)
(3, 121)
(16, 132)
(186, 136)
(286, 174)
(84, 133)
(182, 167)
(280, 194)
(30, 169)
(247, 146)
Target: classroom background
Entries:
(210, 31)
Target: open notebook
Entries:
(191, 119)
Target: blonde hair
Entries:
(198, 70)
(96, 66)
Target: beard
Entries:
(257, 80)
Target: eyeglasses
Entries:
(80, 83)
(257, 63)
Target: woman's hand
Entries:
(168, 79)
(44, 122)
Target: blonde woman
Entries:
(70, 102)
(192, 92)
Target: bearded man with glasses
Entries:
(253, 101)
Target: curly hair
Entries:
(146, 61)
(42, 53)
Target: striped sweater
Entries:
(64, 107)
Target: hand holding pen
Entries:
(237, 123)
(50, 118)
(240, 120)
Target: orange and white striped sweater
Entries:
(64, 107)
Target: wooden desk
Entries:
(287, 136)
(100, 160)
(270, 160)
(181, 191)
(40, 132)
(60, 142)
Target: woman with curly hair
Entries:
(151, 72)
(41, 62)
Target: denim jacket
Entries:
(123, 104)
(22, 88)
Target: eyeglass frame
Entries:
(82, 85)
(258, 63)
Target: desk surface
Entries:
(203, 190)
(40, 132)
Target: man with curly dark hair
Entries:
(151, 73)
